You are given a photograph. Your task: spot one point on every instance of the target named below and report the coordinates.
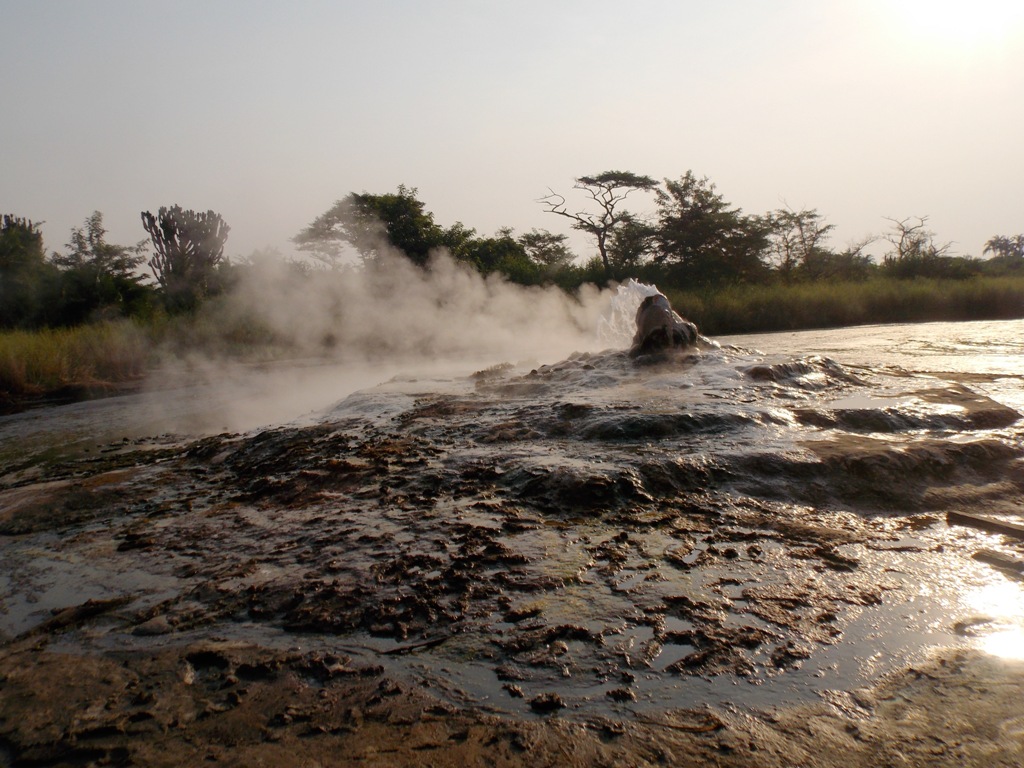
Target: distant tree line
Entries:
(689, 237)
(693, 239)
(93, 279)
(371, 225)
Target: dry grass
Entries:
(34, 362)
(756, 308)
(37, 362)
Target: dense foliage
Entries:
(25, 276)
(688, 240)
(98, 278)
(692, 239)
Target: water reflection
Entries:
(997, 627)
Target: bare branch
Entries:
(608, 190)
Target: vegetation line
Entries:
(88, 317)
(93, 356)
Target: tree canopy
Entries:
(24, 273)
(371, 224)
(703, 240)
(796, 239)
(606, 191)
(98, 277)
(687, 237)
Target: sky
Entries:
(269, 112)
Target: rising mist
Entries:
(347, 329)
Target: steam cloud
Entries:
(351, 329)
(395, 311)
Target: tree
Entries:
(914, 251)
(189, 250)
(547, 250)
(1007, 252)
(607, 190)
(98, 276)
(631, 243)
(796, 237)
(88, 248)
(371, 224)
(502, 253)
(702, 239)
(852, 263)
(24, 272)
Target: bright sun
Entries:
(961, 23)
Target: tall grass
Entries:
(34, 362)
(91, 356)
(219, 330)
(757, 308)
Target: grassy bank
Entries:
(762, 309)
(92, 357)
(49, 360)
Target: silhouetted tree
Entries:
(189, 250)
(547, 250)
(1007, 253)
(632, 243)
(914, 251)
(97, 276)
(24, 273)
(607, 190)
(796, 237)
(371, 224)
(702, 240)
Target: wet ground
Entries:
(585, 554)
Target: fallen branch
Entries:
(985, 523)
(999, 560)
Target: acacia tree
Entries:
(189, 249)
(914, 250)
(607, 190)
(797, 238)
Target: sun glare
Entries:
(959, 23)
(1003, 603)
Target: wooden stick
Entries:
(985, 523)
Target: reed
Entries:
(35, 362)
(107, 353)
(780, 307)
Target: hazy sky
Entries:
(268, 112)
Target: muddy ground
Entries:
(544, 569)
(227, 703)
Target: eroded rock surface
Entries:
(589, 563)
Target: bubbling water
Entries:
(615, 329)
